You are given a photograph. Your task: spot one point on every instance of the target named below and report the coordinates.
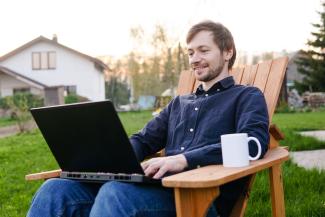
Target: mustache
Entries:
(199, 65)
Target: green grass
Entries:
(28, 153)
(6, 122)
(291, 123)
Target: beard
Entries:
(212, 73)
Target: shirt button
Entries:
(206, 94)
(218, 89)
(198, 166)
(196, 108)
(191, 130)
(182, 148)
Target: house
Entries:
(44, 64)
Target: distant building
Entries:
(45, 64)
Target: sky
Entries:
(102, 27)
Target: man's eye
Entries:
(204, 51)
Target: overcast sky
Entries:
(101, 27)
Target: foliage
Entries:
(117, 91)
(311, 63)
(19, 105)
(154, 73)
(283, 107)
(74, 98)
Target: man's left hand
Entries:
(157, 167)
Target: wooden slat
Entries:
(43, 175)
(237, 73)
(185, 83)
(191, 202)
(262, 75)
(246, 75)
(274, 83)
(252, 75)
(276, 188)
(216, 175)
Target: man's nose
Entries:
(195, 58)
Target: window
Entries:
(70, 90)
(52, 60)
(44, 60)
(36, 60)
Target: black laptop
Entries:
(89, 142)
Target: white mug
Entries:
(235, 151)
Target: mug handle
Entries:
(259, 147)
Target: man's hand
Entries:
(157, 167)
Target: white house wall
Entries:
(9, 83)
(71, 69)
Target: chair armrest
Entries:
(43, 175)
(216, 175)
(276, 132)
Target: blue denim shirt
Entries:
(192, 124)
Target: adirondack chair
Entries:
(196, 189)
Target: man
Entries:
(189, 129)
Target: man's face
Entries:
(205, 57)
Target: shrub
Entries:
(74, 98)
(19, 105)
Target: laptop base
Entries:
(104, 177)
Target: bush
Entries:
(18, 99)
(283, 107)
(74, 98)
(19, 105)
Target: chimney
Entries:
(55, 38)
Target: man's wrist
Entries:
(183, 160)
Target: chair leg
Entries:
(194, 202)
(240, 206)
(277, 195)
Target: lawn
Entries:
(6, 122)
(304, 190)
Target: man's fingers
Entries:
(144, 165)
(152, 168)
(162, 170)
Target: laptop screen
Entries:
(87, 137)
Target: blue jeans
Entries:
(61, 197)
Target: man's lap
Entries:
(73, 198)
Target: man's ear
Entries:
(228, 54)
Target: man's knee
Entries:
(57, 190)
(112, 191)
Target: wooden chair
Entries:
(196, 189)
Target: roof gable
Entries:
(22, 78)
(98, 63)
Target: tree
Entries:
(311, 63)
(117, 91)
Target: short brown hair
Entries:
(221, 36)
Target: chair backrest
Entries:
(267, 76)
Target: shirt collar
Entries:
(219, 86)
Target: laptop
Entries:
(89, 142)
